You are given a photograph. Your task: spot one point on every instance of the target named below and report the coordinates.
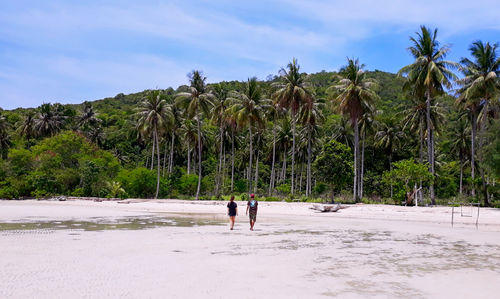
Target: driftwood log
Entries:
(326, 208)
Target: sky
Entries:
(73, 51)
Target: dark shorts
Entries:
(232, 214)
(253, 216)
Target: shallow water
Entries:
(104, 223)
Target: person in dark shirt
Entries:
(252, 207)
(232, 211)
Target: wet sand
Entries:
(181, 249)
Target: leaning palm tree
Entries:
(197, 101)
(152, 117)
(478, 88)
(310, 116)
(293, 91)
(389, 137)
(4, 137)
(426, 77)
(248, 108)
(49, 121)
(354, 93)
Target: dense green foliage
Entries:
(292, 135)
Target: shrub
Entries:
(187, 184)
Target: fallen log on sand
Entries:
(326, 208)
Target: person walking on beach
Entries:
(252, 207)
(232, 211)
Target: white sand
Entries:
(363, 251)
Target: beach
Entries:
(184, 249)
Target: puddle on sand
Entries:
(101, 224)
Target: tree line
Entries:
(433, 127)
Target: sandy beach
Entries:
(184, 249)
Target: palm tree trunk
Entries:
(217, 186)
(301, 174)
(165, 157)
(461, 175)
(199, 159)
(153, 153)
(224, 170)
(283, 178)
(171, 164)
(421, 155)
(390, 170)
(189, 159)
(232, 160)
(249, 178)
(473, 149)
(362, 172)
(356, 142)
(430, 145)
(293, 150)
(159, 164)
(255, 187)
(308, 176)
(271, 181)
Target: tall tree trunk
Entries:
(232, 160)
(189, 159)
(284, 167)
(224, 170)
(430, 146)
(362, 172)
(482, 127)
(356, 143)
(159, 164)
(461, 174)
(390, 170)
(308, 176)
(199, 159)
(293, 150)
(219, 170)
(249, 178)
(165, 157)
(271, 181)
(421, 156)
(153, 153)
(255, 187)
(300, 179)
(473, 149)
(171, 164)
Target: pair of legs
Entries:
(231, 222)
(253, 218)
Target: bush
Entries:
(139, 182)
(284, 189)
(187, 184)
(244, 197)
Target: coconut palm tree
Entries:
(354, 93)
(4, 137)
(343, 133)
(460, 144)
(219, 115)
(283, 144)
(88, 116)
(310, 117)
(152, 115)
(274, 113)
(248, 108)
(389, 137)
(49, 121)
(478, 88)
(27, 127)
(197, 101)
(367, 124)
(188, 131)
(426, 77)
(292, 92)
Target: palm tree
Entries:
(460, 145)
(367, 124)
(4, 137)
(342, 132)
(219, 115)
(190, 134)
(27, 127)
(152, 118)
(354, 94)
(248, 108)
(293, 91)
(389, 137)
(197, 101)
(273, 115)
(426, 77)
(283, 143)
(88, 116)
(478, 87)
(310, 116)
(49, 120)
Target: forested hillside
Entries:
(351, 135)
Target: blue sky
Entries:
(72, 51)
